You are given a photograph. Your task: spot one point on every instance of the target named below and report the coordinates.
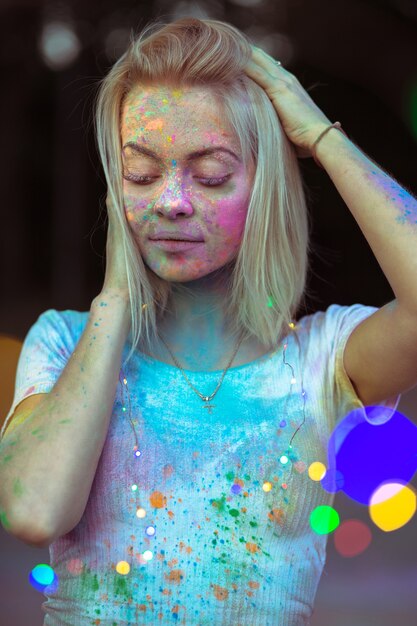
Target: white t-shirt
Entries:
(226, 536)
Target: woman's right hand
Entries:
(115, 279)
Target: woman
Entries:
(160, 441)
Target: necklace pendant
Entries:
(208, 406)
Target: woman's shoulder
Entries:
(65, 315)
(53, 323)
(333, 323)
(335, 312)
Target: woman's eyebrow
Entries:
(190, 157)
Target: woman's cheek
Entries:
(232, 218)
(135, 210)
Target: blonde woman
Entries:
(159, 442)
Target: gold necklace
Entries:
(123, 383)
(206, 399)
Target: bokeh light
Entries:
(368, 448)
(324, 519)
(116, 43)
(352, 537)
(392, 505)
(123, 568)
(277, 44)
(42, 576)
(317, 470)
(237, 489)
(59, 45)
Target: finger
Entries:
(268, 63)
(264, 59)
(254, 69)
(265, 77)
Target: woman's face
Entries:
(168, 187)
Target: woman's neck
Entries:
(197, 330)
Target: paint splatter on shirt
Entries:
(209, 525)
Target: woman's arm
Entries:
(380, 357)
(52, 456)
(385, 212)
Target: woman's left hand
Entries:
(300, 117)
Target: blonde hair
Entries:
(268, 276)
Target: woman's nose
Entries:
(174, 200)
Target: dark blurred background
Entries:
(358, 58)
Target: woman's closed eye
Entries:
(148, 180)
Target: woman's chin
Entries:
(173, 276)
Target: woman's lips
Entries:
(175, 245)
